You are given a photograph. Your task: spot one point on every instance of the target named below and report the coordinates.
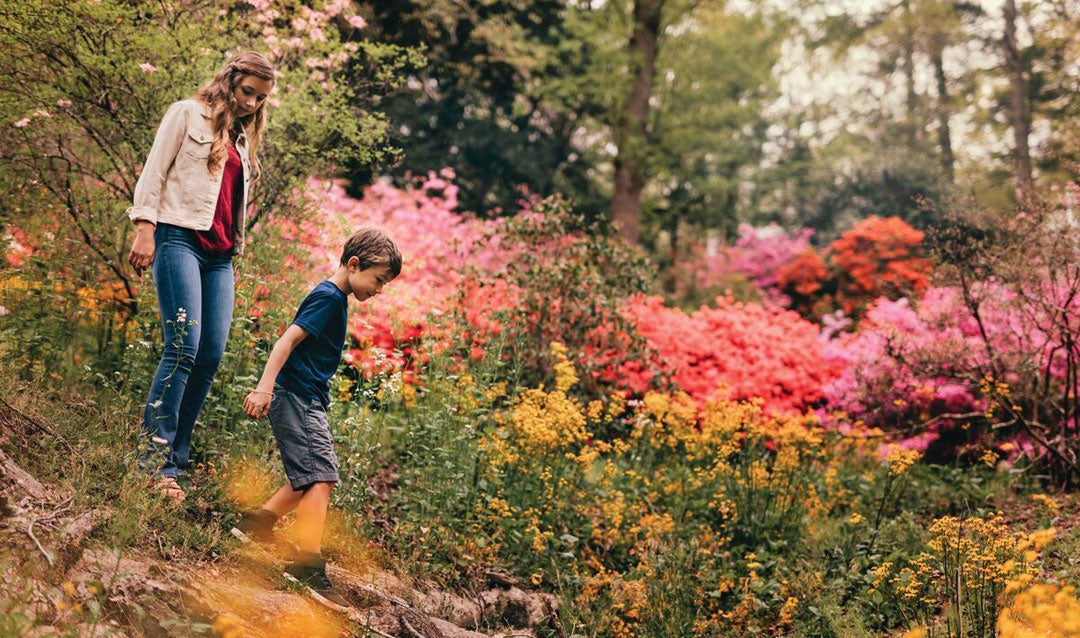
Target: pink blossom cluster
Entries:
(310, 35)
(907, 365)
(758, 254)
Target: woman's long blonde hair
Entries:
(218, 95)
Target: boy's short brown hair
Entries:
(372, 247)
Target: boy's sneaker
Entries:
(256, 526)
(310, 570)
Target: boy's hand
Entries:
(257, 403)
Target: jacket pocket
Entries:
(197, 144)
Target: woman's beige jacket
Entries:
(175, 186)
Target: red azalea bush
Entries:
(803, 280)
(736, 351)
(879, 258)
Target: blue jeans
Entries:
(195, 296)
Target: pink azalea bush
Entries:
(907, 365)
(933, 369)
(758, 254)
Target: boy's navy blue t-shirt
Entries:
(324, 316)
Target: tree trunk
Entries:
(632, 123)
(948, 160)
(915, 131)
(1019, 118)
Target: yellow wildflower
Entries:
(788, 611)
(1041, 609)
(1041, 538)
(900, 459)
(565, 374)
(1047, 501)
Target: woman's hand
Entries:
(257, 403)
(142, 251)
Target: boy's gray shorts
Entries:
(303, 438)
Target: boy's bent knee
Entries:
(317, 487)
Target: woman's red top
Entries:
(218, 240)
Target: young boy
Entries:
(294, 392)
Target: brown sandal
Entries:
(170, 488)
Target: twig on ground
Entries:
(379, 633)
(65, 506)
(30, 533)
(41, 427)
(411, 629)
(160, 545)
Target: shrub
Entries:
(879, 258)
(758, 255)
(736, 350)
(971, 574)
(989, 361)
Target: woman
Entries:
(189, 208)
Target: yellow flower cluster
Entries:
(1035, 542)
(913, 584)
(495, 392)
(565, 374)
(900, 459)
(544, 422)
(344, 392)
(500, 508)
(1040, 609)
(636, 473)
(654, 525)
(627, 601)
(977, 565)
(788, 612)
(982, 551)
(721, 424)
(668, 421)
(465, 391)
(1048, 502)
(995, 392)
